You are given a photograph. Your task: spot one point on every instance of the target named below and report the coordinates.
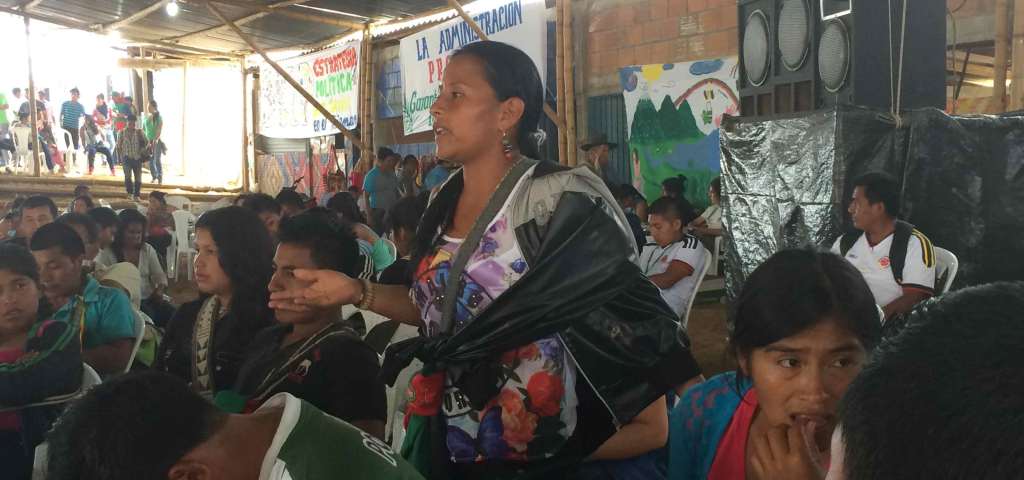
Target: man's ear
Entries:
(189, 470)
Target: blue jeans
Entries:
(93, 149)
(155, 169)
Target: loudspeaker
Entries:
(854, 62)
(777, 58)
(802, 55)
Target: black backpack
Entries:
(898, 250)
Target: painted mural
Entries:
(674, 112)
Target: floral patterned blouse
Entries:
(534, 413)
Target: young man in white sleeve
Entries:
(897, 260)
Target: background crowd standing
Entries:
(117, 131)
(493, 317)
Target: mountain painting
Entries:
(674, 112)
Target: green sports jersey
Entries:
(311, 445)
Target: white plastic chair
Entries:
(140, 332)
(684, 316)
(89, 379)
(179, 202)
(172, 256)
(39, 469)
(715, 253)
(946, 267)
(39, 466)
(184, 226)
(22, 136)
(66, 147)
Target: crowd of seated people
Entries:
(245, 385)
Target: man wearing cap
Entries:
(597, 149)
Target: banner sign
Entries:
(674, 112)
(521, 23)
(331, 76)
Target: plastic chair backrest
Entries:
(179, 202)
(22, 138)
(716, 251)
(140, 332)
(39, 469)
(63, 138)
(946, 267)
(684, 316)
(184, 223)
(89, 378)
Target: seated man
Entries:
(152, 426)
(313, 355)
(106, 313)
(896, 260)
(87, 229)
(291, 202)
(267, 209)
(677, 257)
(106, 224)
(36, 211)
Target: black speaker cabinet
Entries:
(854, 63)
(777, 57)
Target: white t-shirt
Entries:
(713, 216)
(873, 263)
(690, 251)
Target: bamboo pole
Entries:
(1017, 85)
(367, 97)
(255, 127)
(570, 83)
(483, 36)
(563, 153)
(139, 15)
(184, 115)
(319, 17)
(288, 78)
(33, 114)
(1002, 40)
(261, 12)
(245, 129)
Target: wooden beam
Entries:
(33, 114)
(260, 13)
(288, 78)
(245, 128)
(563, 152)
(29, 4)
(164, 63)
(483, 36)
(139, 15)
(570, 83)
(319, 17)
(1002, 52)
(1017, 87)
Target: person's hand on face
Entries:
(787, 452)
(325, 288)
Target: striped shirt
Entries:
(70, 112)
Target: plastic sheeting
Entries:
(786, 183)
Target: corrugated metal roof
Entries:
(269, 31)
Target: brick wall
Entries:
(639, 32)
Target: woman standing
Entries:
(153, 127)
(409, 176)
(161, 222)
(526, 374)
(206, 339)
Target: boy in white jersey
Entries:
(674, 264)
(896, 260)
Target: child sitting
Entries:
(678, 255)
(38, 359)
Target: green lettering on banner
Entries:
(415, 110)
(334, 85)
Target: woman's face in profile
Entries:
(801, 378)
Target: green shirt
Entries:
(3, 113)
(311, 445)
(149, 126)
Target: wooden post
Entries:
(560, 80)
(245, 129)
(1002, 40)
(288, 78)
(255, 127)
(1017, 85)
(570, 84)
(184, 115)
(145, 85)
(483, 36)
(366, 99)
(33, 115)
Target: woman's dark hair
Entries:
(797, 289)
(104, 217)
(406, 213)
(345, 205)
(158, 196)
(331, 243)
(246, 254)
(18, 260)
(675, 186)
(85, 198)
(716, 186)
(128, 216)
(511, 73)
(82, 220)
(410, 159)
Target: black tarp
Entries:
(786, 183)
